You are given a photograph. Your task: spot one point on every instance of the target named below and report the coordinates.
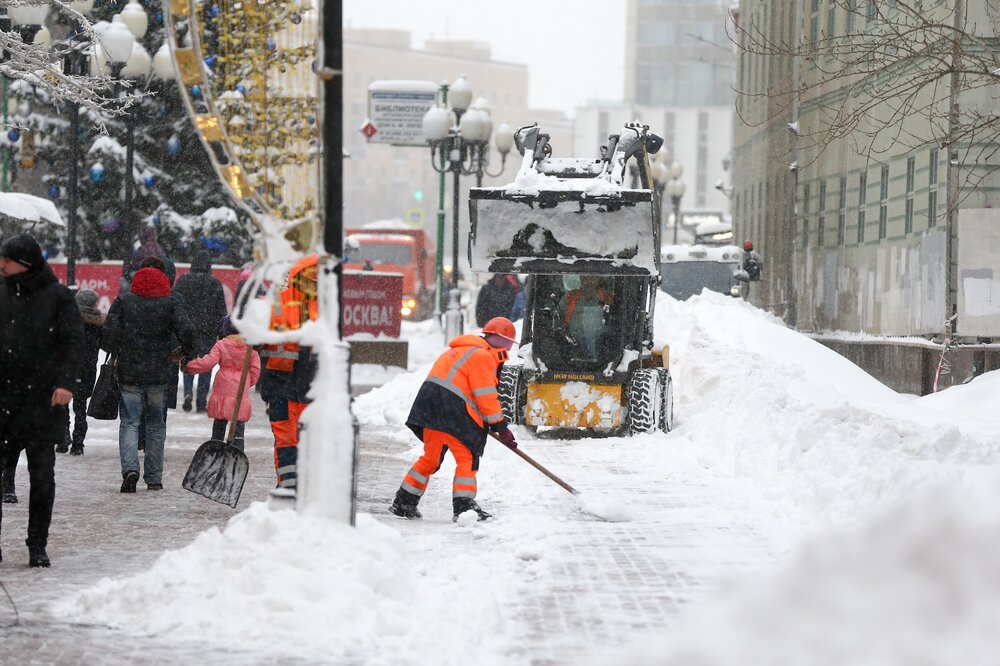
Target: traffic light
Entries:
(418, 196)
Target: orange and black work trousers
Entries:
(436, 444)
(284, 416)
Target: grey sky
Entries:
(574, 48)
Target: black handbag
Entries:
(104, 401)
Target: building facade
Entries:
(386, 182)
(876, 209)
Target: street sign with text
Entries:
(396, 111)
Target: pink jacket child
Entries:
(228, 353)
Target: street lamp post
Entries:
(676, 190)
(459, 141)
(661, 176)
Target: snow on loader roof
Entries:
(568, 215)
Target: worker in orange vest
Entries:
(456, 406)
(289, 368)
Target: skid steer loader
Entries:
(590, 245)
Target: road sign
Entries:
(396, 111)
(415, 217)
(368, 129)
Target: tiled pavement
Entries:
(610, 582)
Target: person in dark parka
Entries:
(93, 325)
(205, 303)
(41, 348)
(496, 298)
(140, 330)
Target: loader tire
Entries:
(644, 400)
(511, 391)
(666, 410)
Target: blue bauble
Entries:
(54, 191)
(96, 174)
(196, 91)
(174, 146)
(210, 61)
(13, 135)
(148, 181)
(241, 89)
(215, 11)
(159, 17)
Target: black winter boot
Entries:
(9, 496)
(463, 504)
(405, 505)
(129, 481)
(187, 404)
(37, 557)
(76, 450)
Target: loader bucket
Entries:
(563, 231)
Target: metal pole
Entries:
(439, 260)
(74, 193)
(5, 182)
(951, 195)
(455, 212)
(677, 215)
(129, 178)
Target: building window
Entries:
(910, 168)
(831, 20)
(862, 198)
(872, 11)
(805, 216)
(883, 204)
(852, 8)
(821, 232)
(842, 214)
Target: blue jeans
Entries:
(136, 402)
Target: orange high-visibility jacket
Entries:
(459, 396)
(290, 316)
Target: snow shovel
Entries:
(600, 511)
(219, 469)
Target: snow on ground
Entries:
(806, 443)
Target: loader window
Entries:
(396, 254)
(578, 321)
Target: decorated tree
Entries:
(174, 186)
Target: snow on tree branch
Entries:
(42, 67)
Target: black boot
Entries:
(37, 557)
(76, 450)
(405, 505)
(63, 446)
(9, 496)
(463, 504)
(187, 404)
(130, 479)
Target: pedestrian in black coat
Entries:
(205, 303)
(41, 348)
(141, 330)
(496, 298)
(93, 324)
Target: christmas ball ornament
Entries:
(210, 61)
(53, 191)
(148, 181)
(110, 225)
(241, 89)
(196, 91)
(13, 135)
(174, 146)
(97, 173)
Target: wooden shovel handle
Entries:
(231, 435)
(531, 461)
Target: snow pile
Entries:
(333, 592)
(756, 400)
(920, 584)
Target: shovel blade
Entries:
(218, 472)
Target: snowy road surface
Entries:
(800, 513)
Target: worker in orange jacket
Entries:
(456, 406)
(289, 368)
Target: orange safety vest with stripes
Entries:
(296, 308)
(460, 395)
(573, 297)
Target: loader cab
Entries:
(577, 322)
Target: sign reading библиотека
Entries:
(396, 111)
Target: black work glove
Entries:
(506, 438)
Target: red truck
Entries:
(391, 250)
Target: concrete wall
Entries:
(912, 367)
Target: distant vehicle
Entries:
(716, 233)
(404, 251)
(686, 270)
